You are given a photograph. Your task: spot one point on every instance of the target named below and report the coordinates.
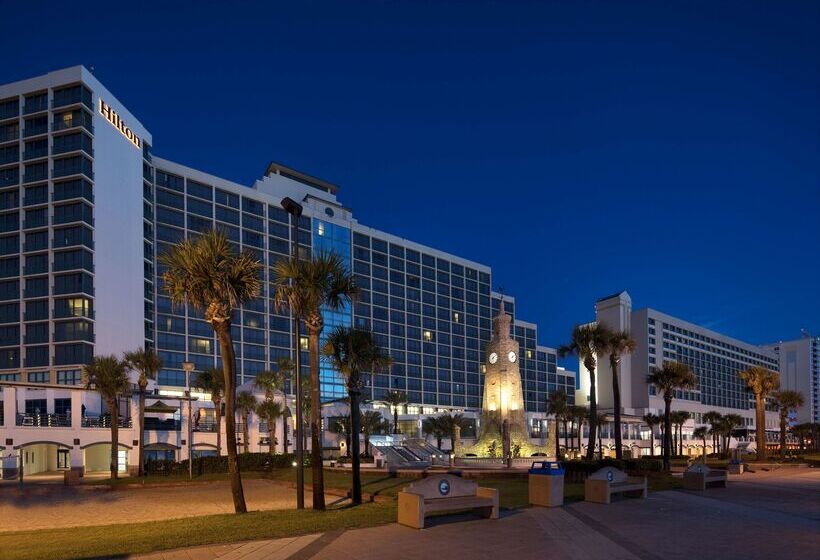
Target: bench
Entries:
(699, 477)
(602, 484)
(444, 493)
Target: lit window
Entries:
(456, 317)
(483, 368)
(529, 354)
(320, 229)
(428, 335)
(78, 307)
(303, 343)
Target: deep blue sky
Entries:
(578, 148)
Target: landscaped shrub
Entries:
(260, 462)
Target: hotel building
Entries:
(86, 207)
(715, 359)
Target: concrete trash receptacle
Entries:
(546, 484)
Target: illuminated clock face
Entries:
(511, 356)
(493, 358)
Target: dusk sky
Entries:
(577, 148)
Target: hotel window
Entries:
(39, 376)
(69, 377)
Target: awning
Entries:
(161, 407)
(161, 447)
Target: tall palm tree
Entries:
(396, 399)
(245, 404)
(351, 352)
(714, 418)
(108, 376)
(372, 423)
(306, 286)
(147, 364)
(449, 422)
(619, 343)
(588, 342)
(761, 381)
(208, 275)
(667, 379)
(341, 427)
(433, 426)
(270, 411)
(285, 368)
(212, 381)
(701, 433)
(557, 406)
(651, 420)
(272, 382)
(729, 424)
(787, 401)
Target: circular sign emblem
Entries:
(609, 475)
(443, 487)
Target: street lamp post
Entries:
(295, 210)
(189, 368)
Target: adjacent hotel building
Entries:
(86, 207)
(716, 360)
(800, 371)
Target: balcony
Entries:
(37, 420)
(35, 130)
(159, 425)
(208, 426)
(104, 421)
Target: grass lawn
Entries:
(111, 540)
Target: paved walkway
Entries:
(760, 516)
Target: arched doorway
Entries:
(97, 457)
(44, 458)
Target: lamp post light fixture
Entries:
(189, 368)
(295, 210)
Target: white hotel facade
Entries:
(85, 207)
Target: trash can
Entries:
(546, 484)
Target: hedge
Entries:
(263, 462)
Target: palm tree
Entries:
(208, 275)
(761, 381)
(713, 418)
(306, 408)
(557, 406)
(270, 411)
(396, 399)
(285, 368)
(351, 352)
(432, 426)
(579, 415)
(245, 404)
(730, 423)
(619, 343)
(212, 381)
(147, 364)
(272, 382)
(372, 423)
(652, 420)
(667, 379)
(701, 434)
(108, 376)
(679, 418)
(588, 342)
(787, 401)
(449, 422)
(306, 286)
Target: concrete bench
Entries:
(699, 477)
(444, 493)
(602, 484)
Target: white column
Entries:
(9, 407)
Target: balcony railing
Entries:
(37, 420)
(205, 426)
(157, 425)
(104, 421)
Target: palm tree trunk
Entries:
(245, 434)
(557, 441)
(113, 406)
(141, 453)
(285, 434)
(616, 402)
(667, 429)
(316, 422)
(782, 436)
(223, 333)
(593, 417)
(760, 431)
(218, 416)
(566, 437)
(652, 441)
(355, 428)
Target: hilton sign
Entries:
(112, 117)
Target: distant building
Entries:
(800, 371)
